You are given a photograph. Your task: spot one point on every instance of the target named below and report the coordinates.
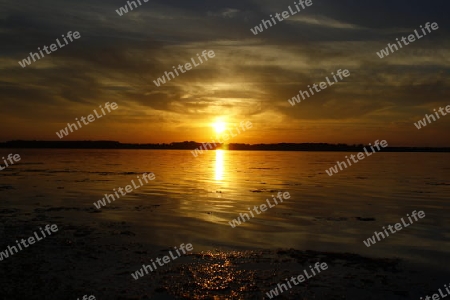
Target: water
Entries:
(193, 199)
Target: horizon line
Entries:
(192, 145)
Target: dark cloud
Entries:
(117, 58)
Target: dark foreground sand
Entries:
(98, 259)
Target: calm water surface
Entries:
(193, 199)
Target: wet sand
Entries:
(99, 258)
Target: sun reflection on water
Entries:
(219, 165)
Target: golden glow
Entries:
(219, 164)
(219, 126)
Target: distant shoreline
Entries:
(193, 145)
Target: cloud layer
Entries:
(251, 78)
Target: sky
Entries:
(251, 77)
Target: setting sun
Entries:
(219, 126)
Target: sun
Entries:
(219, 126)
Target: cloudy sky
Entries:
(251, 77)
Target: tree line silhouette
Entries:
(191, 145)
